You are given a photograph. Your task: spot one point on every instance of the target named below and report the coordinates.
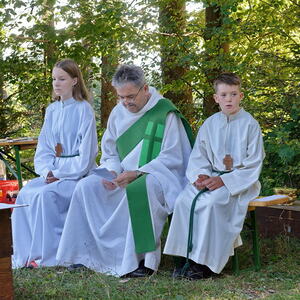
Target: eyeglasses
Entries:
(130, 98)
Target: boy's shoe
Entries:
(207, 272)
(193, 272)
(177, 273)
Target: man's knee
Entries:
(153, 183)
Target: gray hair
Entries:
(128, 74)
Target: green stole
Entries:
(149, 128)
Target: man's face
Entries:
(133, 97)
(229, 98)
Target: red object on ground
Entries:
(8, 191)
(32, 265)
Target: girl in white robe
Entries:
(220, 212)
(66, 152)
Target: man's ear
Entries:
(146, 87)
(241, 95)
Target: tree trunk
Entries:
(3, 123)
(50, 57)
(108, 94)
(172, 23)
(213, 20)
(49, 46)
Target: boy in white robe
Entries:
(98, 232)
(66, 152)
(225, 163)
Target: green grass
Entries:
(279, 279)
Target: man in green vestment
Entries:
(146, 147)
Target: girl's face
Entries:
(62, 83)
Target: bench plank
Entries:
(270, 200)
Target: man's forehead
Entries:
(126, 89)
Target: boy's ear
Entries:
(216, 98)
(241, 95)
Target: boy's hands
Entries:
(212, 183)
(199, 182)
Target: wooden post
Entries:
(6, 280)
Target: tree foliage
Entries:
(181, 52)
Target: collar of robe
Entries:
(231, 117)
(67, 102)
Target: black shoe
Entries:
(140, 272)
(193, 272)
(197, 271)
(179, 264)
(76, 267)
(207, 272)
(177, 273)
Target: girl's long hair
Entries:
(80, 91)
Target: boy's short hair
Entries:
(227, 78)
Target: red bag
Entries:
(8, 191)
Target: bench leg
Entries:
(18, 165)
(235, 263)
(256, 252)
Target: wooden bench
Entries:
(6, 280)
(258, 202)
(6, 285)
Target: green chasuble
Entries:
(149, 128)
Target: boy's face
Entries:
(229, 98)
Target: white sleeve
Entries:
(110, 157)
(44, 156)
